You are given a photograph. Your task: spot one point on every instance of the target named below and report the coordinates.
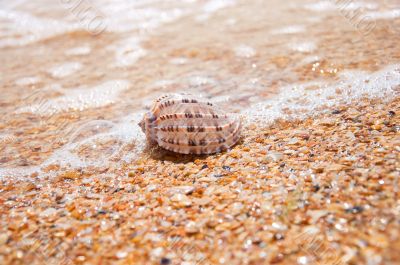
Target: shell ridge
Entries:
(191, 141)
(185, 124)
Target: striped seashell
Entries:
(183, 124)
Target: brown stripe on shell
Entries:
(199, 149)
(187, 119)
(184, 124)
(164, 102)
(193, 106)
(192, 115)
(209, 131)
(203, 142)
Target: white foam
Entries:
(290, 29)
(127, 52)
(65, 69)
(129, 128)
(199, 80)
(211, 7)
(79, 98)
(179, 60)
(355, 5)
(310, 59)
(230, 22)
(321, 6)
(214, 5)
(27, 81)
(388, 14)
(123, 133)
(11, 174)
(123, 16)
(305, 47)
(329, 5)
(302, 101)
(21, 28)
(244, 51)
(81, 50)
(163, 83)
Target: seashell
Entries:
(188, 125)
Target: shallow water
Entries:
(76, 76)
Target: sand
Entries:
(324, 190)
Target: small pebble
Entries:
(204, 166)
(303, 260)
(275, 156)
(121, 254)
(278, 236)
(227, 168)
(316, 188)
(48, 212)
(3, 238)
(165, 261)
(191, 228)
(181, 200)
(182, 189)
(19, 254)
(355, 209)
(327, 122)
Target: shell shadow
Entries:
(157, 153)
